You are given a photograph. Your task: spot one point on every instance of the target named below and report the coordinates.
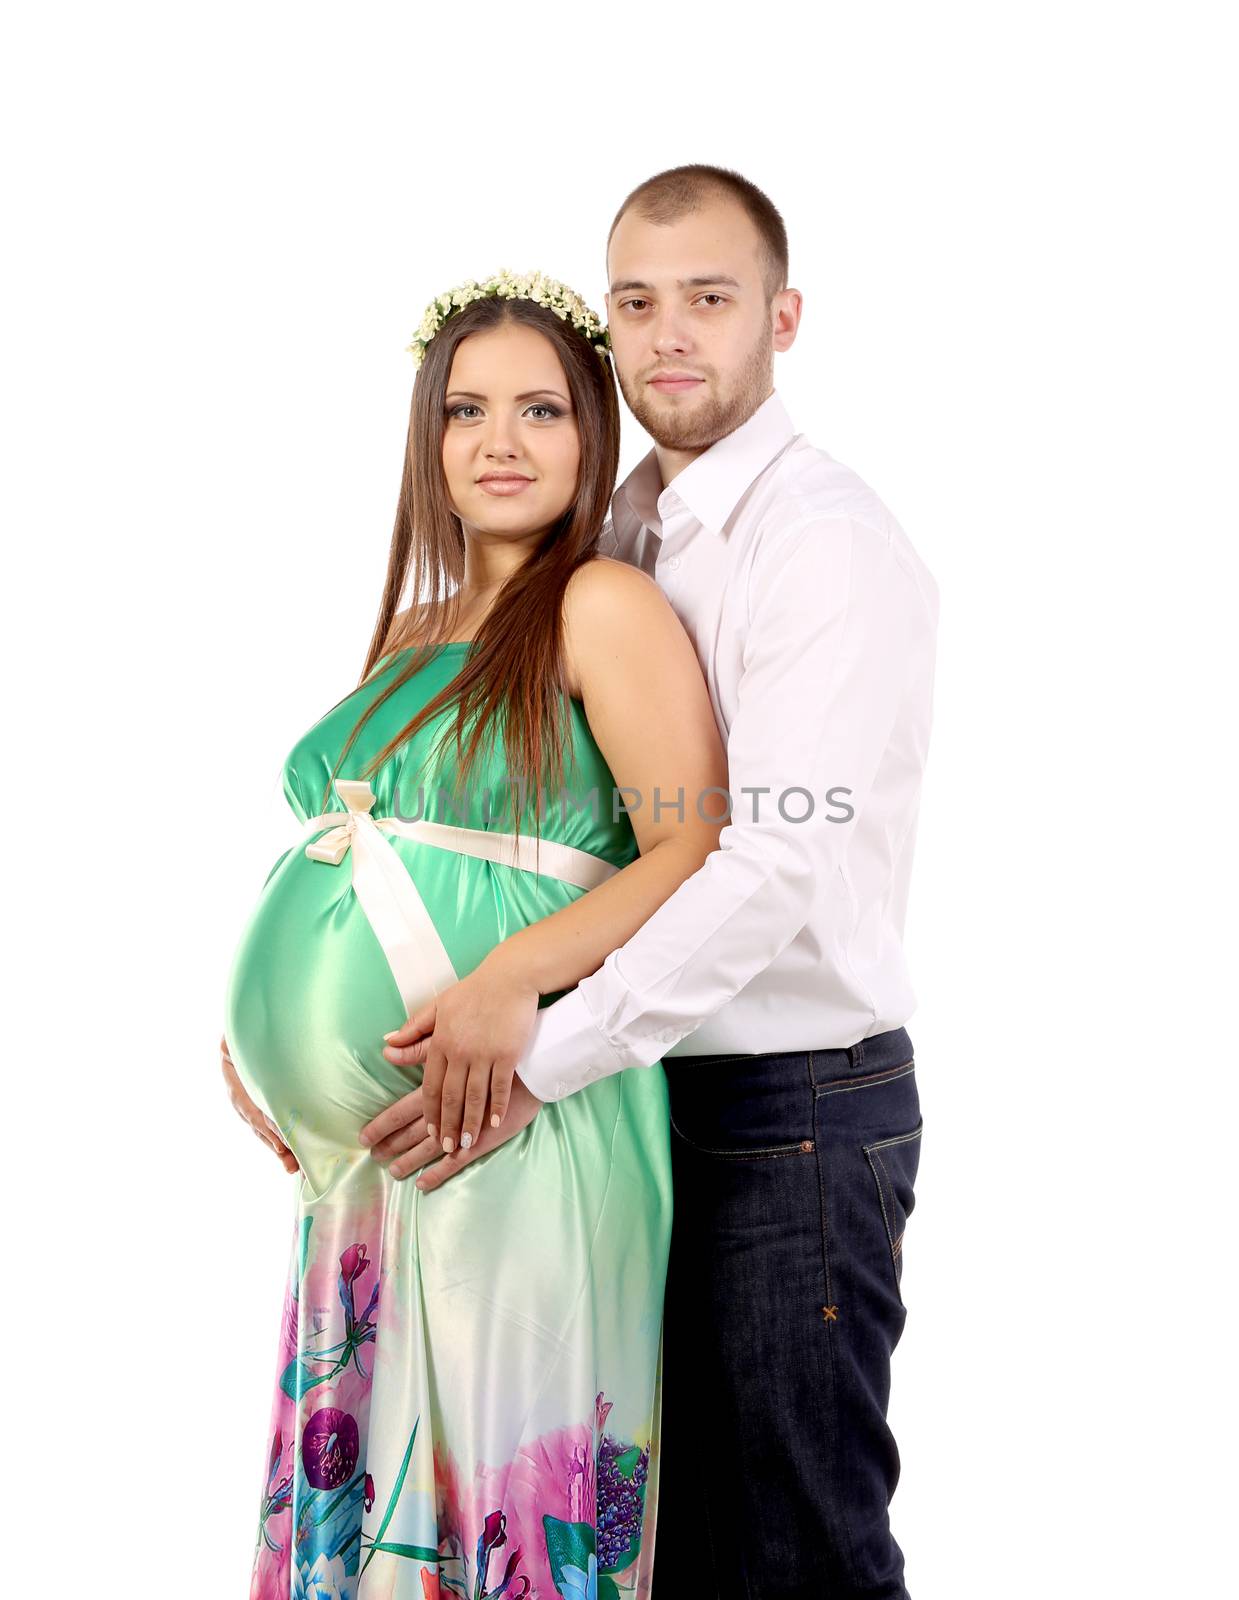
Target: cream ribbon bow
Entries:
(333, 846)
(395, 910)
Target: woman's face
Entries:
(511, 446)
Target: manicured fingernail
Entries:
(466, 1139)
(448, 1146)
(494, 1121)
(392, 1034)
(431, 1130)
(364, 1138)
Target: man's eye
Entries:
(712, 296)
(628, 304)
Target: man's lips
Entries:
(674, 383)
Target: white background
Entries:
(1011, 229)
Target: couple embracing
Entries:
(578, 1002)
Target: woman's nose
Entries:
(500, 440)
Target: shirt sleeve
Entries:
(832, 611)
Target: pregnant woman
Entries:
(466, 1398)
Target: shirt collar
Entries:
(712, 484)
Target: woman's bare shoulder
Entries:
(602, 585)
(610, 608)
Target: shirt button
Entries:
(672, 563)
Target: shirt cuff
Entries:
(566, 1050)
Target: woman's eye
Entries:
(538, 405)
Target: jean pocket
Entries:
(750, 1109)
(894, 1164)
(746, 1152)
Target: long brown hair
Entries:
(514, 680)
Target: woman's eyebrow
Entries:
(469, 394)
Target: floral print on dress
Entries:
(573, 1505)
(317, 1488)
(564, 1518)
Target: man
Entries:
(772, 984)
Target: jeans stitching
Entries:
(898, 1138)
(844, 1086)
(768, 1152)
(832, 1354)
(821, 1203)
(886, 1189)
(878, 1167)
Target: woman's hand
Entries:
(470, 1038)
(249, 1112)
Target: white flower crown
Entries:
(536, 286)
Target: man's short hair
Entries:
(670, 195)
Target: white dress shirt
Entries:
(815, 622)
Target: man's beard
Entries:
(718, 415)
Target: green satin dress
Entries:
(467, 1382)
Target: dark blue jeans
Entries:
(793, 1180)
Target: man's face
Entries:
(687, 302)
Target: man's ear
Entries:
(788, 304)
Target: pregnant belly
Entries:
(309, 998)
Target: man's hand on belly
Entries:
(400, 1131)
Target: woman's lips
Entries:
(504, 485)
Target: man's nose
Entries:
(670, 330)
